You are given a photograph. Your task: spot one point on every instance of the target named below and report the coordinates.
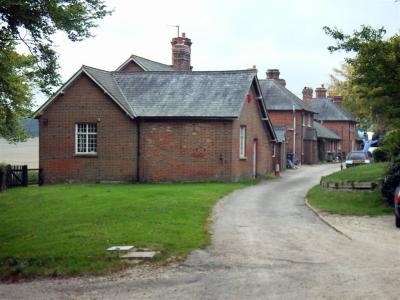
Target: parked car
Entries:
(356, 158)
(397, 206)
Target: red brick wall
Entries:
(255, 130)
(346, 131)
(131, 67)
(116, 142)
(285, 117)
(185, 150)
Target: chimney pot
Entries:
(337, 100)
(181, 51)
(274, 74)
(307, 94)
(320, 92)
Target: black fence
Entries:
(14, 176)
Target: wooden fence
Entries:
(14, 176)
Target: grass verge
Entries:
(370, 172)
(348, 202)
(64, 229)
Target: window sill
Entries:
(85, 154)
(242, 158)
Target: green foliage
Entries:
(32, 24)
(380, 155)
(391, 143)
(348, 202)
(391, 181)
(373, 80)
(65, 229)
(368, 172)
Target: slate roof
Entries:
(325, 133)
(107, 81)
(216, 94)
(329, 111)
(186, 94)
(310, 134)
(146, 64)
(280, 133)
(277, 97)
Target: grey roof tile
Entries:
(147, 64)
(325, 133)
(186, 94)
(310, 134)
(280, 133)
(107, 81)
(277, 97)
(329, 111)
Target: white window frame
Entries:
(86, 134)
(273, 149)
(242, 142)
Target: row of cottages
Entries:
(339, 135)
(288, 111)
(150, 122)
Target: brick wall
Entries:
(116, 142)
(185, 150)
(346, 131)
(255, 130)
(285, 117)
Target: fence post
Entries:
(24, 175)
(41, 176)
(8, 176)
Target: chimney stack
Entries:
(320, 92)
(337, 100)
(307, 94)
(181, 53)
(274, 74)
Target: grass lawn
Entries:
(369, 172)
(65, 229)
(348, 202)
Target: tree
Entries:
(372, 83)
(341, 84)
(32, 24)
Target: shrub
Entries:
(391, 181)
(380, 155)
(391, 143)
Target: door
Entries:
(254, 158)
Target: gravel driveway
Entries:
(266, 245)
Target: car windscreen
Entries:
(357, 155)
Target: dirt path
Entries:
(266, 245)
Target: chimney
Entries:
(320, 92)
(181, 53)
(337, 100)
(274, 74)
(307, 94)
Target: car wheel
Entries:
(397, 221)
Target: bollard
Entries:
(277, 171)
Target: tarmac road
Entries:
(266, 245)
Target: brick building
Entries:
(287, 110)
(328, 142)
(331, 115)
(156, 126)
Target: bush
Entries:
(390, 182)
(391, 143)
(380, 155)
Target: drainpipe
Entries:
(302, 137)
(138, 151)
(294, 133)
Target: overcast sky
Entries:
(229, 34)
